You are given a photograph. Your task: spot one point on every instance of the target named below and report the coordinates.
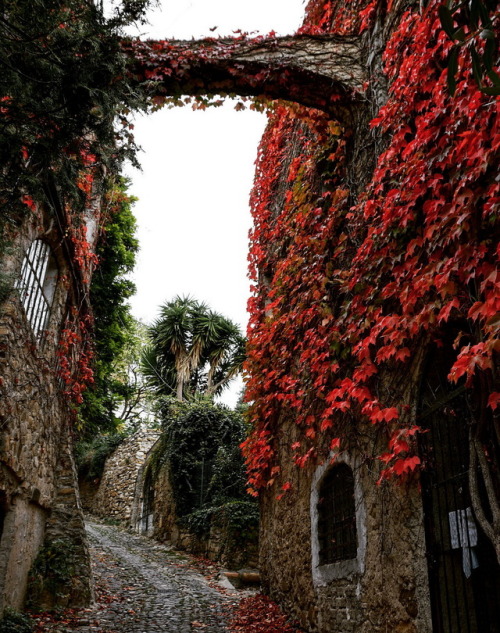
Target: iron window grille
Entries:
(337, 533)
(37, 285)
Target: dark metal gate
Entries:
(148, 499)
(464, 575)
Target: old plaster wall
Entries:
(117, 488)
(37, 477)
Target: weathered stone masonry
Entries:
(126, 493)
(38, 490)
(119, 491)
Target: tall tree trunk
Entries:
(180, 389)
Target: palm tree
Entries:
(193, 350)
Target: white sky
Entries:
(197, 172)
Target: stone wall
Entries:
(384, 588)
(117, 490)
(159, 518)
(37, 475)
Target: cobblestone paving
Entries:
(155, 589)
(145, 587)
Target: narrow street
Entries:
(145, 587)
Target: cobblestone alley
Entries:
(146, 587)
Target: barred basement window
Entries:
(337, 516)
(37, 284)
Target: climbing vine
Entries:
(113, 326)
(64, 133)
(350, 278)
(350, 287)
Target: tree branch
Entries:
(492, 530)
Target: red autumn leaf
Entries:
(335, 444)
(494, 400)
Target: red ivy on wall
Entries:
(419, 247)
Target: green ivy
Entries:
(200, 447)
(14, 622)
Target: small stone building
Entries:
(39, 502)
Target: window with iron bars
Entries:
(37, 285)
(337, 516)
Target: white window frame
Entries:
(324, 574)
(37, 285)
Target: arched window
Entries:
(337, 533)
(37, 284)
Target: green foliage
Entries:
(14, 622)
(52, 571)
(116, 333)
(237, 517)
(473, 26)
(91, 455)
(200, 444)
(63, 86)
(193, 350)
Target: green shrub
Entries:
(235, 517)
(51, 572)
(200, 443)
(14, 622)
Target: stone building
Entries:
(347, 544)
(40, 508)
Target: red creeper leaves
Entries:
(424, 233)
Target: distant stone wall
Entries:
(88, 491)
(117, 488)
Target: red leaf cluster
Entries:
(259, 614)
(345, 290)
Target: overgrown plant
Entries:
(51, 573)
(63, 86)
(116, 334)
(15, 622)
(91, 454)
(352, 287)
(199, 446)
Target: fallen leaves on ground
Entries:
(259, 614)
